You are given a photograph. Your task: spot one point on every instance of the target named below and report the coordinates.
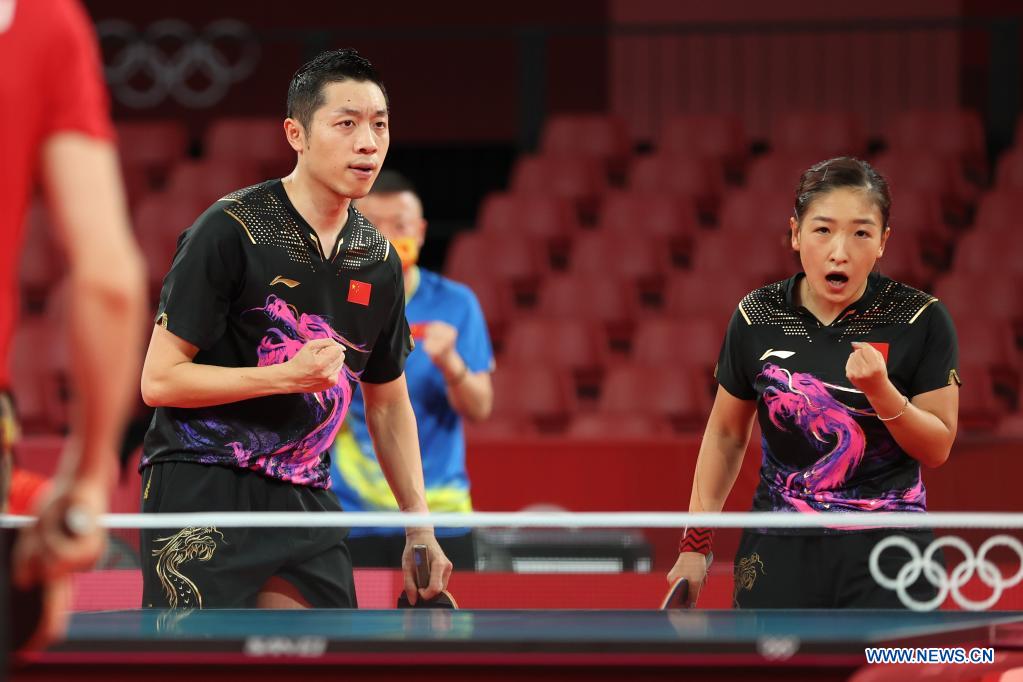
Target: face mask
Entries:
(408, 251)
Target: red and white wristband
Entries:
(699, 540)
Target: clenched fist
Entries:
(317, 366)
(866, 369)
(439, 343)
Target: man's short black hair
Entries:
(305, 94)
(392, 182)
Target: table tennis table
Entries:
(498, 644)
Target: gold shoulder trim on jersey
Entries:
(953, 377)
(162, 320)
(744, 315)
(242, 223)
(922, 308)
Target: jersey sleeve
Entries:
(732, 372)
(473, 338)
(939, 357)
(77, 97)
(387, 359)
(204, 278)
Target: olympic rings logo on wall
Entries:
(170, 59)
(935, 574)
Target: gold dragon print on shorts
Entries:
(746, 572)
(188, 544)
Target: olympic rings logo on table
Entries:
(171, 59)
(947, 583)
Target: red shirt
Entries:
(51, 81)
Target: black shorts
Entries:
(822, 571)
(227, 567)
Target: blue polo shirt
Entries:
(357, 478)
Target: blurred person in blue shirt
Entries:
(448, 375)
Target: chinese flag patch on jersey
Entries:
(358, 292)
(881, 348)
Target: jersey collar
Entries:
(850, 312)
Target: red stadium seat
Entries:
(503, 257)
(986, 341)
(579, 179)
(533, 391)
(209, 180)
(647, 214)
(902, 262)
(780, 171)
(689, 295)
(148, 150)
(718, 136)
(956, 134)
(642, 261)
(929, 171)
(594, 297)
(152, 143)
(979, 406)
(600, 136)
(917, 223)
(694, 342)
(555, 342)
(602, 425)
(702, 178)
(496, 301)
(553, 220)
(761, 257)
(990, 250)
(821, 134)
(756, 210)
(537, 215)
(672, 392)
(38, 376)
(998, 210)
(990, 295)
(1009, 173)
(159, 220)
(258, 142)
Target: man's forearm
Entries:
(392, 427)
(104, 328)
(107, 296)
(473, 396)
(188, 384)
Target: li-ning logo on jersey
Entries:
(772, 353)
(279, 279)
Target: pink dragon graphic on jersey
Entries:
(803, 402)
(291, 455)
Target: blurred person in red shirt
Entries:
(55, 130)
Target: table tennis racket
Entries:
(444, 600)
(678, 596)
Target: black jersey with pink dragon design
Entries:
(823, 447)
(250, 285)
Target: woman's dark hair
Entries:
(843, 171)
(305, 94)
